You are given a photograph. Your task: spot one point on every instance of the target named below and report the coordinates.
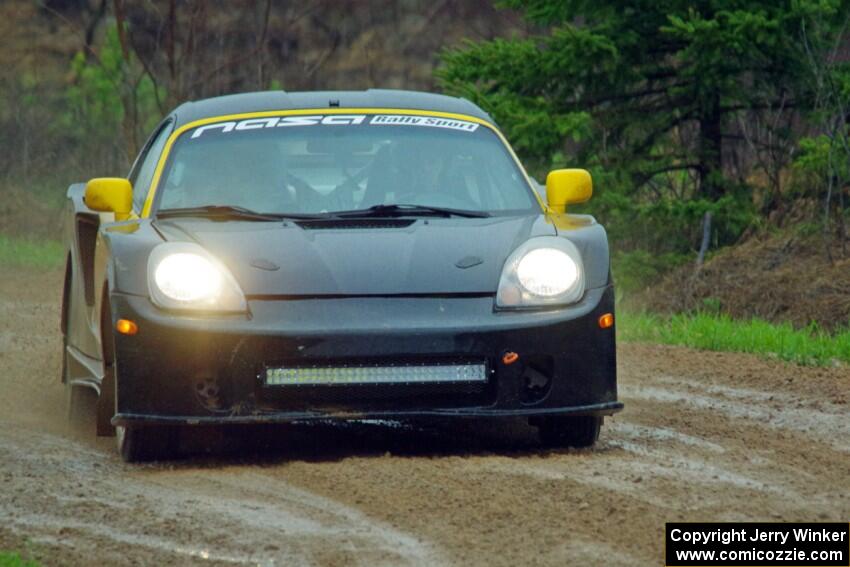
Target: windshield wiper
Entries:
(229, 212)
(409, 210)
(233, 212)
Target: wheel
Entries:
(139, 444)
(570, 431)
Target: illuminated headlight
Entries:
(188, 277)
(542, 271)
(183, 275)
(547, 272)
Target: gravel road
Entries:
(704, 437)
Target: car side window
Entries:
(145, 166)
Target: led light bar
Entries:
(405, 374)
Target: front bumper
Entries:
(192, 370)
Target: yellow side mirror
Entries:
(110, 195)
(568, 187)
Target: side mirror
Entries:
(568, 187)
(110, 195)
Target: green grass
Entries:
(810, 346)
(16, 251)
(15, 560)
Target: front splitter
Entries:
(132, 419)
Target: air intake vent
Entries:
(354, 223)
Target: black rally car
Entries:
(280, 256)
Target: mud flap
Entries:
(106, 403)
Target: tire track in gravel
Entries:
(226, 515)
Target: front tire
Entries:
(136, 444)
(140, 444)
(570, 431)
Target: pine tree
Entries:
(645, 88)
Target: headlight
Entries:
(543, 271)
(183, 275)
(547, 272)
(187, 277)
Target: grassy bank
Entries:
(15, 560)
(810, 346)
(30, 252)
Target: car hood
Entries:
(428, 256)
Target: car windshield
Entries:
(325, 164)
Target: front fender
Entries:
(125, 248)
(592, 242)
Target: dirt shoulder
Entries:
(779, 277)
(704, 437)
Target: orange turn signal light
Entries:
(126, 327)
(510, 357)
(606, 321)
